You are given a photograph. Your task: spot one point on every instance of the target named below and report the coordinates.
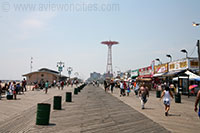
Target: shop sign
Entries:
(194, 64)
(163, 68)
(134, 73)
(178, 65)
(145, 71)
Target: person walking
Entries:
(143, 93)
(112, 84)
(24, 85)
(166, 95)
(46, 86)
(105, 85)
(122, 91)
(196, 103)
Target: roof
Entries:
(45, 70)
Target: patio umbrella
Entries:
(192, 87)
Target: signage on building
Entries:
(194, 64)
(162, 68)
(178, 65)
(134, 73)
(145, 71)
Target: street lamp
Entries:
(60, 66)
(69, 69)
(158, 60)
(195, 24)
(185, 51)
(169, 56)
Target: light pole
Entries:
(158, 60)
(69, 69)
(169, 56)
(60, 66)
(198, 44)
(185, 51)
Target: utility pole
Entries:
(31, 65)
(198, 54)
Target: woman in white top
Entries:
(166, 95)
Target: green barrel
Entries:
(43, 114)
(75, 91)
(57, 103)
(9, 97)
(68, 97)
(158, 94)
(178, 98)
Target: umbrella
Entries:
(192, 87)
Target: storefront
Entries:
(145, 75)
(179, 67)
(159, 71)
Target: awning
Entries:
(191, 75)
(172, 73)
(158, 74)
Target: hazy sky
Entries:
(72, 31)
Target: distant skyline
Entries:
(72, 31)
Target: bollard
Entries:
(43, 114)
(68, 97)
(158, 94)
(57, 102)
(75, 91)
(178, 98)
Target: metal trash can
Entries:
(158, 94)
(43, 114)
(57, 102)
(178, 98)
(68, 97)
(75, 91)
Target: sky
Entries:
(72, 31)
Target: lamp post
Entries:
(69, 69)
(158, 60)
(198, 44)
(60, 66)
(169, 56)
(185, 51)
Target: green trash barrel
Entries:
(178, 98)
(57, 102)
(158, 94)
(9, 97)
(68, 97)
(75, 91)
(43, 114)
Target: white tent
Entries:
(192, 76)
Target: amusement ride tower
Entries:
(109, 70)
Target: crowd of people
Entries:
(142, 91)
(12, 89)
